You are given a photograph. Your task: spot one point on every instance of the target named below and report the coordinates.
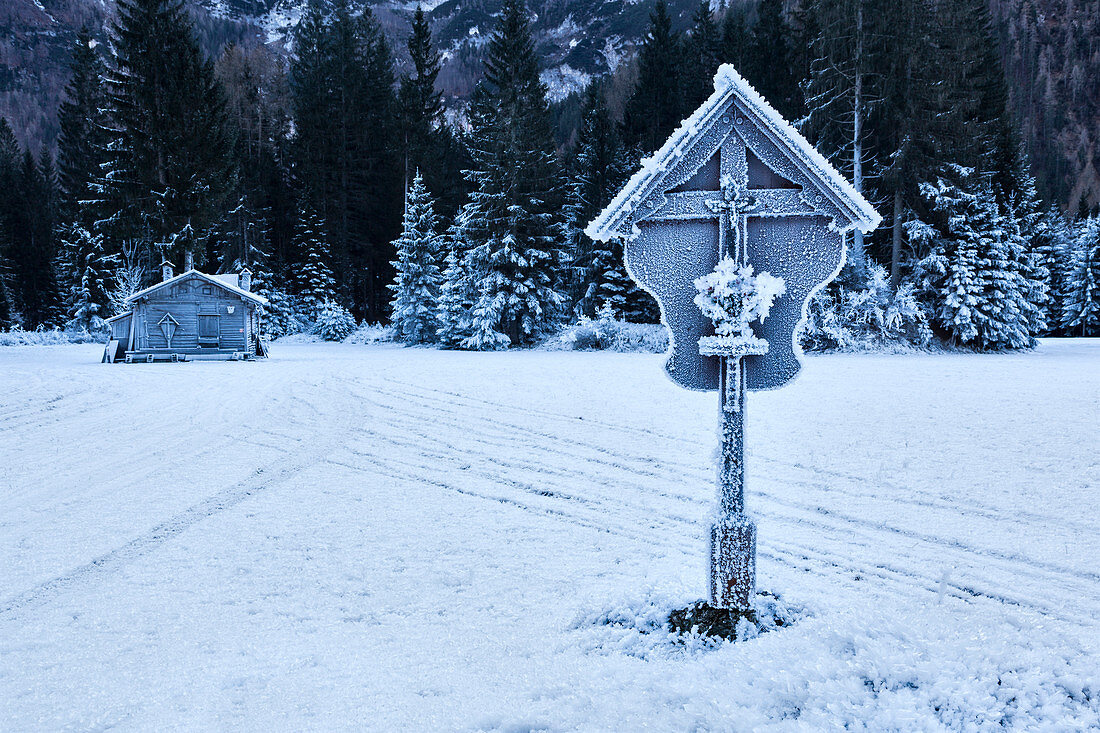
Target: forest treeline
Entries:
(351, 196)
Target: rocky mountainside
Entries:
(577, 38)
(1051, 52)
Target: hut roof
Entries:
(212, 279)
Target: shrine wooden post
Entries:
(735, 179)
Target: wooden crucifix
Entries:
(735, 179)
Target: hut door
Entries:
(208, 330)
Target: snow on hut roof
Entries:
(230, 278)
(112, 319)
(212, 279)
(615, 220)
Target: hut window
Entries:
(208, 290)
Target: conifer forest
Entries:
(337, 171)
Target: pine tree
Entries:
(315, 284)
(703, 52)
(88, 302)
(1020, 205)
(976, 275)
(334, 321)
(773, 65)
(31, 249)
(169, 164)
(49, 214)
(257, 230)
(1081, 304)
(942, 100)
(345, 114)
(9, 208)
(421, 102)
(429, 145)
(7, 307)
(657, 104)
(839, 91)
(416, 286)
(899, 128)
(456, 293)
(969, 100)
(735, 38)
(1054, 252)
(599, 169)
(610, 287)
(82, 142)
(512, 217)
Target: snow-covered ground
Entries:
(378, 538)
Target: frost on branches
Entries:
(862, 311)
(315, 283)
(1081, 292)
(89, 298)
(454, 302)
(334, 322)
(417, 283)
(978, 275)
(732, 297)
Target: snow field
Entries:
(370, 537)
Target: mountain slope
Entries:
(1051, 50)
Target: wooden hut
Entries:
(189, 316)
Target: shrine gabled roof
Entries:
(617, 219)
(246, 294)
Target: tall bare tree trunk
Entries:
(858, 261)
(895, 249)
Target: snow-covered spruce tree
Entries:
(1016, 192)
(334, 321)
(416, 286)
(1054, 253)
(608, 285)
(512, 218)
(314, 282)
(1025, 240)
(1081, 300)
(495, 262)
(456, 292)
(89, 301)
(281, 314)
(976, 277)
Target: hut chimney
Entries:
(188, 261)
(167, 272)
(245, 279)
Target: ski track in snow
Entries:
(110, 465)
(844, 527)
